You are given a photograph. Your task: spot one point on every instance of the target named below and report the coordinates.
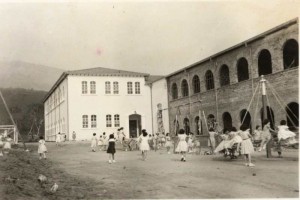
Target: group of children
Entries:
(244, 140)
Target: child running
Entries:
(111, 150)
(144, 144)
(94, 143)
(284, 133)
(265, 134)
(246, 145)
(42, 148)
(182, 145)
(168, 143)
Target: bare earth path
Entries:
(164, 176)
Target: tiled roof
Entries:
(100, 71)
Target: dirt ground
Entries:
(162, 175)
(82, 174)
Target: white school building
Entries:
(101, 100)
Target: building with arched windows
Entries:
(221, 86)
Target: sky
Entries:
(156, 37)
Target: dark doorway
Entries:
(227, 121)
(264, 63)
(245, 115)
(134, 125)
(292, 117)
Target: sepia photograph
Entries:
(164, 99)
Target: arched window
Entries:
(224, 75)
(184, 88)
(292, 117)
(270, 116)
(242, 69)
(264, 62)
(290, 54)
(174, 91)
(196, 84)
(209, 80)
(186, 125)
(245, 118)
(227, 121)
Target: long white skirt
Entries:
(182, 147)
(247, 147)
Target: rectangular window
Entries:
(108, 120)
(85, 121)
(137, 88)
(84, 87)
(107, 87)
(116, 88)
(94, 121)
(93, 87)
(117, 120)
(129, 88)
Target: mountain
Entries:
(17, 74)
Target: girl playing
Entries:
(190, 143)
(105, 141)
(100, 143)
(42, 148)
(265, 134)
(168, 143)
(111, 150)
(246, 145)
(284, 133)
(94, 143)
(7, 144)
(58, 139)
(212, 140)
(144, 144)
(182, 145)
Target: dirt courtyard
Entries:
(162, 175)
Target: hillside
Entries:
(26, 75)
(26, 106)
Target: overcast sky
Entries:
(152, 37)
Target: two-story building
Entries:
(100, 100)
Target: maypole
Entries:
(264, 114)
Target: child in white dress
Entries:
(94, 143)
(246, 145)
(190, 143)
(42, 148)
(58, 139)
(144, 144)
(168, 143)
(285, 134)
(7, 144)
(100, 143)
(182, 145)
(212, 140)
(105, 142)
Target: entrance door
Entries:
(133, 128)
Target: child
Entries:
(7, 144)
(246, 145)
(100, 143)
(182, 145)
(58, 139)
(284, 133)
(150, 142)
(105, 141)
(265, 134)
(111, 150)
(94, 143)
(197, 146)
(163, 140)
(1, 144)
(144, 144)
(212, 140)
(42, 148)
(190, 143)
(168, 143)
(155, 141)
